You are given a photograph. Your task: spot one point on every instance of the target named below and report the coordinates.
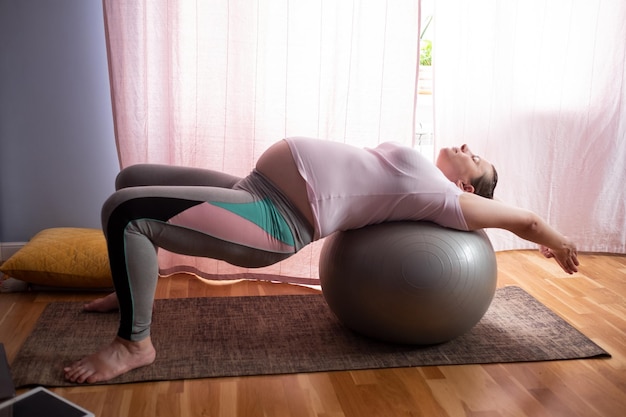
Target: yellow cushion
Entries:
(62, 257)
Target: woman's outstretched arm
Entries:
(483, 213)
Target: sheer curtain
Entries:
(539, 88)
(213, 84)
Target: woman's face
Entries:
(460, 165)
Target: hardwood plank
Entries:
(594, 301)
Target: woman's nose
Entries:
(464, 148)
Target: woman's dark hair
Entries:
(486, 184)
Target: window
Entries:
(424, 140)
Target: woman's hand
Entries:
(566, 256)
(482, 213)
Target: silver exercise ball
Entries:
(408, 282)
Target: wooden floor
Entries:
(594, 301)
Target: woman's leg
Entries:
(197, 221)
(154, 174)
(227, 224)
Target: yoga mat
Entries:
(261, 335)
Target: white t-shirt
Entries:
(350, 187)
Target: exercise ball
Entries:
(408, 282)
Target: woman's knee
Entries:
(134, 176)
(109, 206)
(112, 205)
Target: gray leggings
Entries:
(244, 221)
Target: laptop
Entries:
(7, 389)
(34, 403)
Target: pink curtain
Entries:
(213, 84)
(539, 88)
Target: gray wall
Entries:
(57, 149)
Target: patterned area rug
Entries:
(236, 336)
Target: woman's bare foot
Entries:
(116, 359)
(103, 305)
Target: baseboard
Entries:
(7, 249)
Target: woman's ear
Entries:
(468, 188)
